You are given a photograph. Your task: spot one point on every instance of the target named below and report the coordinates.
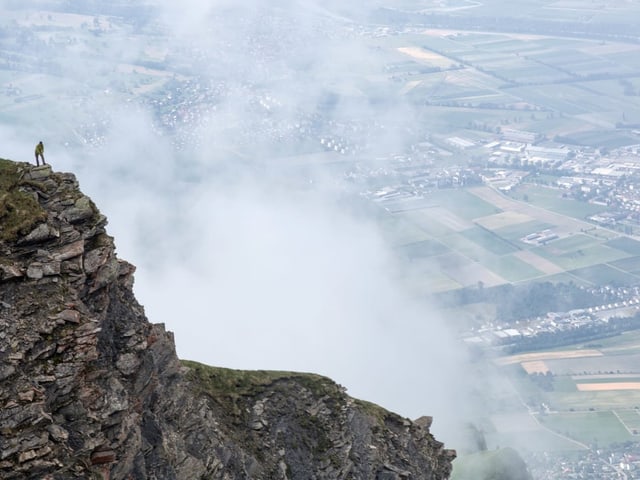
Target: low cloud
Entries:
(255, 274)
(253, 266)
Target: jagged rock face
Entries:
(90, 389)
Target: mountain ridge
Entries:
(90, 388)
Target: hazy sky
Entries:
(248, 270)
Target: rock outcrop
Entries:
(90, 389)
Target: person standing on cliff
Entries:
(40, 153)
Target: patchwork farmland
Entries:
(577, 89)
(589, 396)
(473, 86)
(479, 235)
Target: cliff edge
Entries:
(90, 389)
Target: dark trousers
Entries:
(41, 156)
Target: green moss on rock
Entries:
(373, 410)
(226, 386)
(227, 381)
(19, 210)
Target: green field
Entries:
(424, 248)
(465, 246)
(582, 258)
(573, 243)
(511, 268)
(520, 230)
(551, 199)
(612, 362)
(533, 441)
(629, 264)
(564, 383)
(630, 418)
(605, 379)
(591, 428)
(489, 241)
(561, 100)
(399, 231)
(625, 244)
(602, 274)
(425, 221)
(438, 282)
(462, 203)
(628, 342)
(421, 278)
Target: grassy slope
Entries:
(504, 464)
(19, 211)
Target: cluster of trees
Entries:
(543, 380)
(582, 333)
(515, 302)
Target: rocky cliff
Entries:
(90, 389)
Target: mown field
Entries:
(590, 428)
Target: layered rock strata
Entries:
(90, 389)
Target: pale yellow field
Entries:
(601, 387)
(537, 366)
(503, 219)
(538, 262)
(449, 219)
(426, 55)
(539, 356)
(565, 225)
